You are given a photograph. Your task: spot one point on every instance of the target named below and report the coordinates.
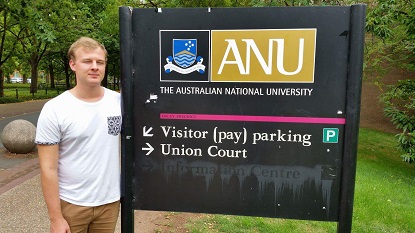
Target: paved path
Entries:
(13, 166)
(22, 208)
(16, 109)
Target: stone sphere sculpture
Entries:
(18, 137)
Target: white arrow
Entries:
(149, 148)
(146, 133)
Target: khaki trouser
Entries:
(86, 219)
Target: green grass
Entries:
(23, 93)
(384, 197)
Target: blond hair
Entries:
(85, 42)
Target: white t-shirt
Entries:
(89, 146)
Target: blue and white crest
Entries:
(184, 52)
(184, 55)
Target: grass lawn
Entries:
(384, 197)
(19, 92)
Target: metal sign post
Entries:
(354, 84)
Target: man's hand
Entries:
(59, 226)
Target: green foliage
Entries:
(240, 3)
(380, 18)
(391, 27)
(9, 100)
(39, 33)
(409, 43)
(399, 103)
(196, 3)
(18, 92)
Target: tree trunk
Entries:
(104, 82)
(33, 85)
(68, 83)
(52, 76)
(67, 74)
(1, 82)
(33, 68)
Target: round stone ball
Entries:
(18, 136)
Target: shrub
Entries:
(23, 93)
(399, 103)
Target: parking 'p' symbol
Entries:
(330, 135)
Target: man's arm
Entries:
(48, 160)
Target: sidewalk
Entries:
(13, 166)
(15, 109)
(22, 208)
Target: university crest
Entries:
(184, 57)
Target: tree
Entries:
(9, 32)
(109, 36)
(392, 27)
(38, 34)
(71, 20)
(88, 21)
(51, 28)
(400, 107)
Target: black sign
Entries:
(241, 111)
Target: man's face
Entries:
(89, 66)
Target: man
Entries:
(78, 146)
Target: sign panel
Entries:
(240, 111)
